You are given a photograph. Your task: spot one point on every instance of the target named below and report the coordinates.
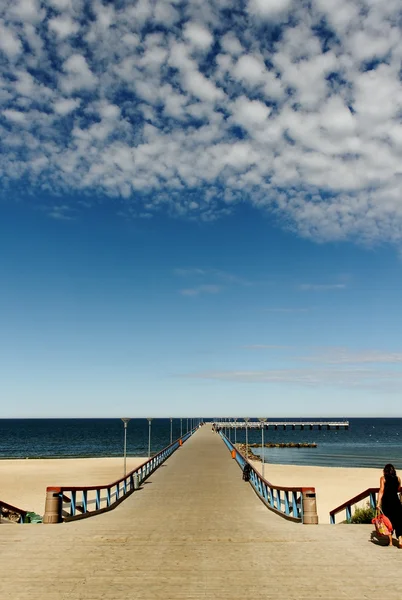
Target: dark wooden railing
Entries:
(12, 513)
(370, 493)
(69, 503)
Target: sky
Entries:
(201, 208)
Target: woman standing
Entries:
(388, 500)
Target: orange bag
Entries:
(382, 524)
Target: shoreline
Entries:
(75, 457)
(24, 481)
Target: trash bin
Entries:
(310, 516)
(53, 506)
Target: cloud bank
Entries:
(193, 107)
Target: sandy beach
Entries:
(23, 482)
(334, 485)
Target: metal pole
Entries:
(262, 421)
(235, 429)
(187, 424)
(181, 428)
(125, 422)
(246, 420)
(149, 437)
(171, 431)
(262, 450)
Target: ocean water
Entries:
(367, 442)
(50, 438)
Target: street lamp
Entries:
(171, 431)
(235, 426)
(149, 419)
(181, 427)
(187, 424)
(125, 421)
(262, 421)
(246, 420)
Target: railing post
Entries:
(53, 506)
(309, 506)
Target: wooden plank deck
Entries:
(195, 531)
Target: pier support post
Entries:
(53, 506)
(309, 505)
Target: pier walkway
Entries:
(195, 531)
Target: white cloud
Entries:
(251, 114)
(250, 69)
(64, 106)
(63, 26)
(306, 124)
(15, 115)
(319, 287)
(198, 36)
(231, 44)
(10, 44)
(201, 289)
(80, 76)
(268, 9)
(337, 356)
(385, 381)
(27, 11)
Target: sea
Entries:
(369, 442)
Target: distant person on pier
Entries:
(388, 500)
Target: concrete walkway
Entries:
(195, 530)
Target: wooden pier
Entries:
(195, 531)
(238, 424)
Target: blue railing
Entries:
(80, 502)
(285, 501)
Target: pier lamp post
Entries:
(187, 424)
(171, 431)
(246, 420)
(262, 421)
(235, 426)
(230, 430)
(149, 419)
(125, 422)
(181, 427)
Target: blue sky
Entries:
(200, 208)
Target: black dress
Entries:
(390, 504)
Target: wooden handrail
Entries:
(108, 485)
(356, 499)
(271, 494)
(12, 508)
(56, 496)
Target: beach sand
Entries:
(23, 482)
(333, 485)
